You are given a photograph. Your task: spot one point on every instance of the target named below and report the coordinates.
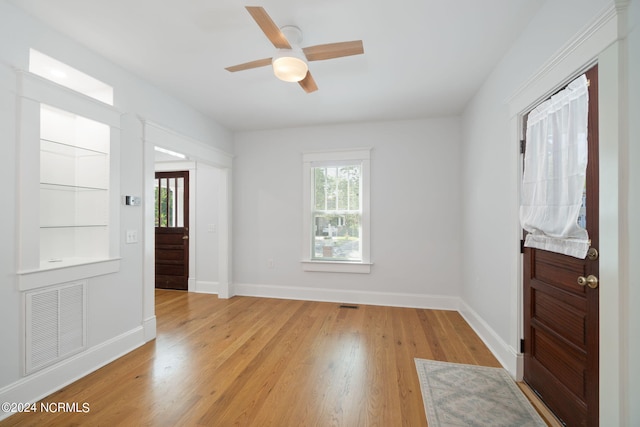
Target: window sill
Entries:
(67, 271)
(337, 266)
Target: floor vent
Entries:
(353, 307)
(55, 324)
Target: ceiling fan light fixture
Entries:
(290, 65)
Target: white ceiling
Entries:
(422, 57)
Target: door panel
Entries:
(172, 230)
(561, 323)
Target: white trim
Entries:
(39, 278)
(70, 77)
(148, 222)
(435, 302)
(42, 383)
(205, 287)
(41, 90)
(336, 266)
(192, 148)
(226, 290)
(191, 281)
(508, 357)
(225, 205)
(149, 328)
(178, 166)
(571, 60)
(614, 373)
(337, 155)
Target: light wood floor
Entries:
(257, 362)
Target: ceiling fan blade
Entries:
(308, 84)
(248, 65)
(269, 28)
(333, 50)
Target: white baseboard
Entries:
(203, 287)
(227, 290)
(40, 384)
(149, 326)
(223, 290)
(508, 357)
(437, 302)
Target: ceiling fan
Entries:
(290, 61)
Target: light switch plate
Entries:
(132, 236)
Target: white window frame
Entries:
(363, 156)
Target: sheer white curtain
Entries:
(555, 165)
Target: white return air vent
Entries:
(55, 324)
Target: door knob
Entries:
(590, 280)
(185, 237)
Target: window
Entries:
(337, 217)
(65, 75)
(171, 198)
(336, 211)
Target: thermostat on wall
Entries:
(132, 200)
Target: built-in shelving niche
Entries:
(69, 204)
(74, 188)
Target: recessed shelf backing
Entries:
(74, 187)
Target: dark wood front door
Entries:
(561, 324)
(172, 230)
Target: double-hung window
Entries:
(336, 211)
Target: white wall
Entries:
(632, 300)
(115, 302)
(490, 187)
(490, 168)
(415, 213)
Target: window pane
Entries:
(171, 218)
(180, 198)
(337, 237)
(342, 190)
(157, 195)
(337, 188)
(330, 188)
(350, 176)
(319, 184)
(164, 203)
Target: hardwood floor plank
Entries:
(268, 362)
(408, 383)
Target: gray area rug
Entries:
(468, 395)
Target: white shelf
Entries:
(74, 189)
(69, 188)
(67, 270)
(66, 149)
